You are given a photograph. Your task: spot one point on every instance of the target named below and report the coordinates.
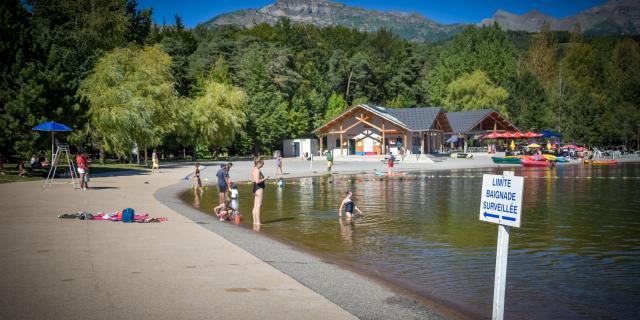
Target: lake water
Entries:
(576, 256)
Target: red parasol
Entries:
(580, 149)
(569, 146)
(493, 135)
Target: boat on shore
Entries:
(535, 163)
(506, 160)
(393, 174)
(562, 159)
(608, 162)
(550, 157)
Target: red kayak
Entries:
(534, 163)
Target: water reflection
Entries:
(577, 254)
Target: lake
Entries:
(577, 254)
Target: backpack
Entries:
(127, 215)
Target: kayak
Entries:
(393, 174)
(562, 159)
(506, 160)
(461, 155)
(601, 162)
(550, 157)
(534, 163)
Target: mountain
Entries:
(411, 26)
(621, 17)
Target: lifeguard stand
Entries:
(62, 148)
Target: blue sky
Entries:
(445, 11)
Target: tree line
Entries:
(121, 81)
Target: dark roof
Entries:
(415, 119)
(464, 121)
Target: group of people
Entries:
(228, 192)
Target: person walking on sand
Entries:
(83, 169)
(349, 205)
(258, 180)
(279, 165)
(197, 183)
(329, 161)
(155, 164)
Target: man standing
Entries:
(329, 161)
(223, 177)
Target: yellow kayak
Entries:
(550, 157)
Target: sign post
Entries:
(501, 203)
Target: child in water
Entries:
(348, 205)
(224, 210)
(234, 196)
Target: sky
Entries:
(444, 11)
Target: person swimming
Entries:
(349, 205)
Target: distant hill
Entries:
(616, 17)
(411, 26)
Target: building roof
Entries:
(415, 119)
(465, 121)
(412, 119)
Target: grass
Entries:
(11, 173)
(114, 167)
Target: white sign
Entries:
(501, 200)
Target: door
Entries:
(296, 149)
(352, 146)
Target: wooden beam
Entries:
(371, 124)
(341, 143)
(384, 141)
(321, 147)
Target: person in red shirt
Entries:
(83, 169)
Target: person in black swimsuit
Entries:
(258, 180)
(196, 179)
(348, 205)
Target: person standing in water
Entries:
(258, 180)
(348, 205)
(329, 161)
(196, 179)
(223, 178)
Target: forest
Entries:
(121, 81)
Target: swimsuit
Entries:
(197, 175)
(259, 185)
(348, 207)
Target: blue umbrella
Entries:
(550, 134)
(53, 127)
(453, 139)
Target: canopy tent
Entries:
(53, 127)
(550, 134)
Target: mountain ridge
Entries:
(617, 17)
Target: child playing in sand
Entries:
(348, 205)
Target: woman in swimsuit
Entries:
(258, 180)
(196, 179)
(348, 205)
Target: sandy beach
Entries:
(190, 267)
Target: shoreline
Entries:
(407, 295)
(337, 282)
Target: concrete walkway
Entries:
(54, 268)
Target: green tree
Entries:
(132, 98)
(475, 91)
(214, 117)
(487, 48)
(335, 106)
(528, 106)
